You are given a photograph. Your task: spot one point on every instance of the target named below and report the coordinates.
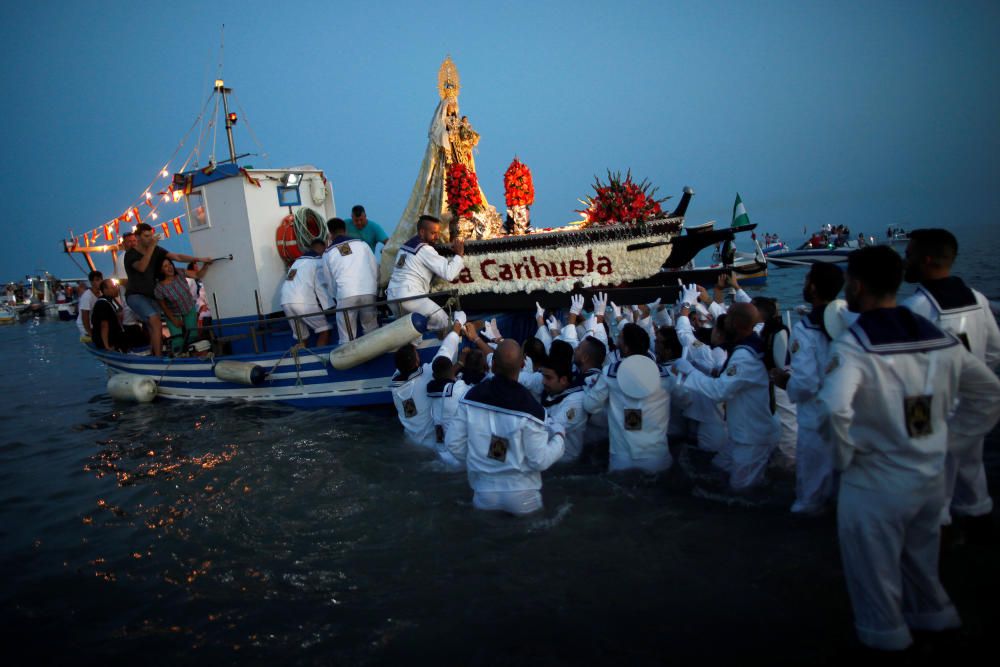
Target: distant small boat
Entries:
(7, 315)
(895, 236)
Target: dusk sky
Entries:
(865, 113)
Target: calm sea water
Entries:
(185, 533)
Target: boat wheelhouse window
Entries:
(197, 212)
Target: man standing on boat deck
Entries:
(369, 231)
(889, 406)
(133, 327)
(352, 275)
(304, 293)
(949, 303)
(502, 435)
(86, 304)
(141, 265)
(417, 263)
(106, 320)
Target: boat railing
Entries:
(257, 327)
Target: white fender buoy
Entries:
(132, 387)
(240, 372)
(385, 339)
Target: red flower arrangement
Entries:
(462, 187)
(621, 201)
(518, 185)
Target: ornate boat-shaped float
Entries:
(633, 262)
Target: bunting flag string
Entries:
(113, 229)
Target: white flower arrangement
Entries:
(560, 268)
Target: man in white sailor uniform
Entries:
(417, 263)
(889, 396)
(409, 388)
(810, 349)
(949, 303)
(353, 276)
(743, 385)
(305, 293)
(638, 408)
(588, 357)
(502, 435)
(563, 401)
(445, 390)
(707, 358)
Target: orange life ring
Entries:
(288, 245)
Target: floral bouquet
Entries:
(621, 200)
(462, 187)
(517, 185)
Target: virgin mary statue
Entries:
(449, 139)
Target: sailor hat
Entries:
(837, 318)
(638, 376)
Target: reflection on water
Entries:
(195, 532)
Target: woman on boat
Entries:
(177, 303)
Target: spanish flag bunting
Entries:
(166, 230)
(177, 225)
(107, 232)
(138, 218)
(250, 179)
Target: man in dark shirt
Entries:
(105, 320)
(141, 265)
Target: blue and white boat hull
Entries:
(304, 380)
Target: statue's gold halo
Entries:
(448, 82)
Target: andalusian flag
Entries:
(740, 217)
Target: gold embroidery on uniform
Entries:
(917, 410)
(498, 448)
(345, 249)
(409, 408)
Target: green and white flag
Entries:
(740, 217)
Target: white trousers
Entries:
(813, 471)
(515, 502)
(965, 480)
(889, 547)
(746, 464)
(302, 326)
(712, 435)
(437, 318)
(347, 322)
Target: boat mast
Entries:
(220, 87)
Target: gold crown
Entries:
(448, 82)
